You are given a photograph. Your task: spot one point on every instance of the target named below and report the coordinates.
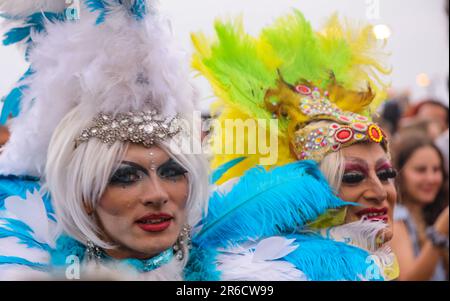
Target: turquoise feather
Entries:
(322, 259)
(9, 260)
(221, 170)
(266, 203)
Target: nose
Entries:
(375, 193)
(154, 193)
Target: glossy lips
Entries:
(374, 214)
(155, 222)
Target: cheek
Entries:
(438, 179)
(116, 205)
(178, 192)
(411, 182)
(391, 196)
(350, 194)
(115, 201)
(412, 178)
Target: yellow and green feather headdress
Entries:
(289, 64)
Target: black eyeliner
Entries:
(137, 166)
(173, 165)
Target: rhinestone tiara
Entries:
(140, 127)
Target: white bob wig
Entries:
(76, 177)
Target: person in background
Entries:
(429, 109)
(442, 143)
(421, 219)
(423, 127)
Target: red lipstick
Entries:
(374, 214)
(155, 222)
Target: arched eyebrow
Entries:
(357, 161)
(383, 161)
(137, 166)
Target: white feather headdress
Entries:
(118, 56)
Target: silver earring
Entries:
(94, 253)
(183, 243)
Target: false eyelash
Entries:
(387, 174)
(171, 169)
(353, 178)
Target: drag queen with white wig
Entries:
(94, 173)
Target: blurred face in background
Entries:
(435, 113)
(422, 176)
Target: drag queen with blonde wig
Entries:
(320, 89)
(94, 181)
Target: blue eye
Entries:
(126, 175)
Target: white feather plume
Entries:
(32, 212)
(97, 68)
(259, 261)
(24, 8)
(362, 234)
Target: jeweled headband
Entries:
(324, 127)
(140, 127)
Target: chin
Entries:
(427, 201)
(156, 246)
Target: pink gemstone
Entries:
(304, 90)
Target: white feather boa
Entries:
(24, 8)
(31, 211)
(258, 262)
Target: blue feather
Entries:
(11, 105)
(139, 9)
(323, 259)
(33, 23)
(9, 17)
(16, 225)
(103, 7)
(201, 265)
(21, 231)
(267, 203)
(21, 261)
(19, 186)
(66, 246)
(221, 170)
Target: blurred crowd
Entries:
(419, 147)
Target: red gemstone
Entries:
(344, 135)
(375, 133)
(302, 89)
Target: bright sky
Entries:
(419, 41)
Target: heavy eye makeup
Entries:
(171, 170)
(130, 173)
(386, 172)
(127, 174)
(356, 173)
